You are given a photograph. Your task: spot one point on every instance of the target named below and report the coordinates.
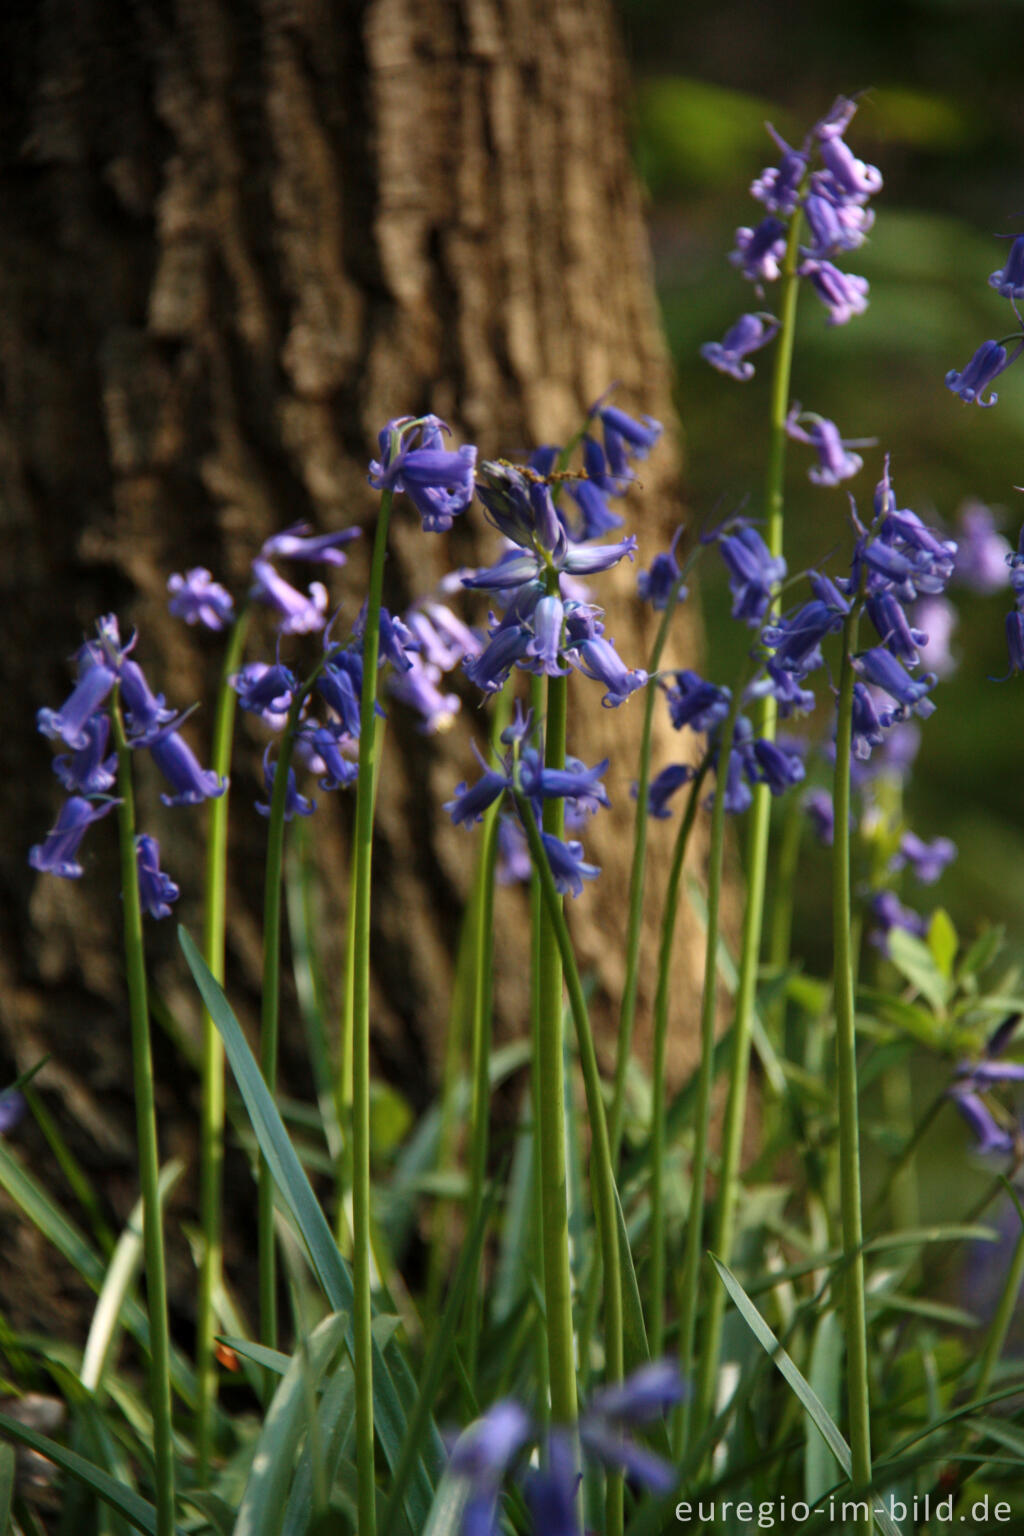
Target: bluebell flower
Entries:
(575, 783)
(145, 713)
(834, 226)
(442, 636)
(646, 1395)
(413, 459)
(776, 767)
(551, 1491)
(1009, 280)
(180, 767)
(472, 800)
(835, 462)
(821, 813)
(518, 503)
(568, 866)
(320, 747)
(12, 1109)
(936, 618)
(759, 251)
(893, 627)
(664, 785)
(297, 614)
(295, 804)
(926, 860)
(198, 599)
(889, 913)
(796, 641)
(299, 543)
(982, 551)
(991, 1138)
(843, 294)
(749, 334)
(697, 703)
(778, 187)
(599, 659)
(58, 853)
(657, 585)
(881, 667)
(418, 688)
(89, 771)
(396, 639)
(846, 177)
(266, 691)
(71, 722)
(971, 382)
(625, 437)
(156, 889)
(867, 723)
(753, 571)
(340, 684)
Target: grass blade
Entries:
(135, 1509)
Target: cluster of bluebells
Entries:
(503, 1438)
(827, 188)
(89, 773)
(994, 357)
(522, 771)
(997, 1130)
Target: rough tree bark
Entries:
(235, 239)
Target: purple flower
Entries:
(664, 785)
(1015, 640)
(847, 178)
(567, 864)
(298, 543)
(599, 659)
(889, 913)
(624, 438)
(982, 551)
(927, 860)
(778, 187)
(753, 571)
(89, 771)
(971, 383)
(694, 702)
(991, 1138)
(835, 462)
(146, 713)
(842, 293)
(656, 585)
(647, 1394)
(882, 669)
(894, 628)
(796, 641)
(551, 1491)
(180, 767)
(297, 615)
(821, 813)
(518, 503)
(321, 751)
(294, 803)
(156, 890)
(776, 767)
(1009, 280)
(938, 618)
(266, 691)
(71, 722)
(867, 723)
(835, 226)
(12, 1108)
(198, 599)
(443, 638)
(749, 334)
(340, 685)
(471, 801)
(413, 459)
(419, 689)
(577, 784)
(58, 854)
(485, 1450)
(759, 251)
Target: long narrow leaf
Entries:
(819, 1414)
(136, 1510)
(305, 1211)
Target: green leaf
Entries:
(826, 1374)
(912, 957)
(302, 1204)
(259, 1513)
(943, 941)
(449, 1507)
(6, 1486)
(813, 1405)
(335, 1419)
(135, 1509)
(273, 1360)
(981, 952)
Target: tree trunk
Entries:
(236, 239)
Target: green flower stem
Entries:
(690, 1281)
(661, 1006)
(627, 1009)
(270, 1015)
(550, 1070)
(369, 745)
(481, 1025)
(149, 1164)
(855, 1319)
(602, 1170)
(211, 1128)
(537, 1229)
(724, 1223)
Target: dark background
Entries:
(942, 117)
